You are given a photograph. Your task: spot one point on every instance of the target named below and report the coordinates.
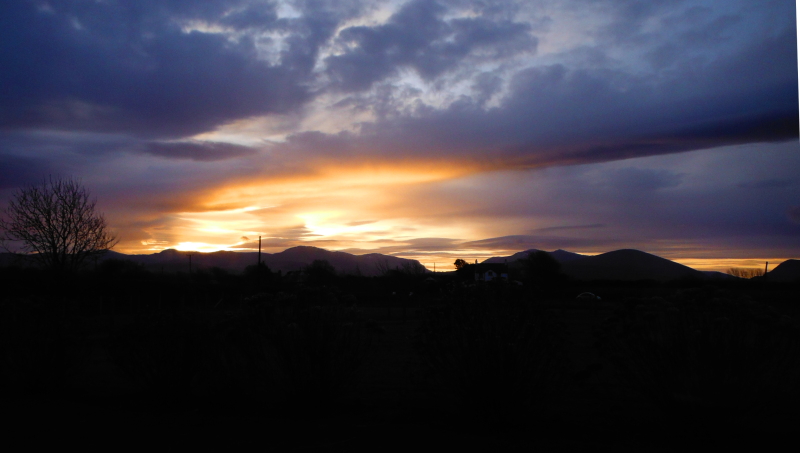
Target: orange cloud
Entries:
(326, 203)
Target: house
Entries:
(487, 272)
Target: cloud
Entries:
(361, 222)
(559, 115)
(164, 69)
(199, 151)
(420, 38)
(176, 71)
(545, 124)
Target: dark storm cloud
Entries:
(26, 158)
(557, 115)
(134, 67)
(197, 150)
(420, 38)
(159, 69)
(733, 83)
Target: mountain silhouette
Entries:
(292, 259)
(716, 275)
(562, 256)
(625, 265)
(628, 265)
(787, 271)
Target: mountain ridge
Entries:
(292, 259)
(787, 271)
(623, 265)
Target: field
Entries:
(395, 400)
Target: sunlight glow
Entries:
(346, 208)
(722, 265)
(199, 247)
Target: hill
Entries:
(787, 271)
(562, 256)
(624, 265)
(628, 265)
(716, 275)
(292, 259)
(370, 264)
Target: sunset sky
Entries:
(431, 130)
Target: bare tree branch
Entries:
(57, 224)
(745, 272)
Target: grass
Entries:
(489, 361)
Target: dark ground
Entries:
(393, 408)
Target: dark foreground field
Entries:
(629, 374)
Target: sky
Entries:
(431, 130)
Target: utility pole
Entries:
(765, 268)
(258, 268)
(190, 263)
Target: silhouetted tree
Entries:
(258, 272)
(541, 268)
(464, 270)
(745, 272)
(382, 267)
(56, 223)
(321, 272)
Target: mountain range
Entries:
(631, 265)
(292, 259)
(623, 265)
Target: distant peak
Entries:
(303, 247)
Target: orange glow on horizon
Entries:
(348, 208)
(367, 209)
